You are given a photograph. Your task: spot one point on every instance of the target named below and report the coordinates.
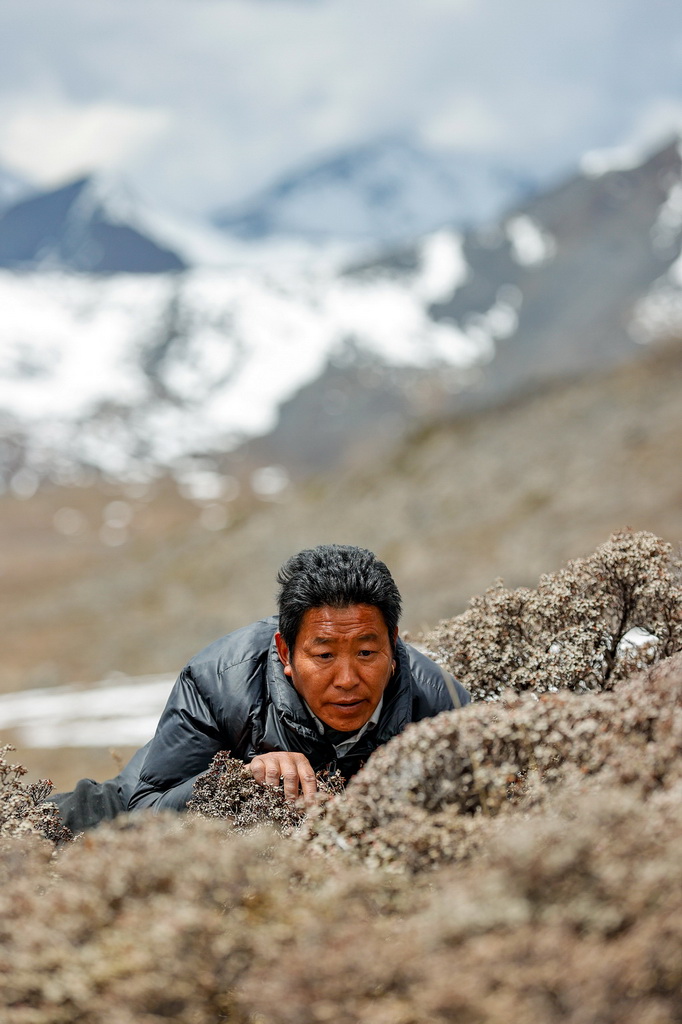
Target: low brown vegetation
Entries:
(412, 805)
(22, 807)
(228, 791)
(516, 860)
(572, 631)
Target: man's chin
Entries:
(347, 718)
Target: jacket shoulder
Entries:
(249, 643)
(434, 689)
(230, 676)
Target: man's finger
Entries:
(290, 779)
(308, 780)
(305, 776)
(273, 771)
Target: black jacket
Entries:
(234, 696)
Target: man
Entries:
(321, 686)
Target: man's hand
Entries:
(295, 769)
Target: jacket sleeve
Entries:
(186, 740)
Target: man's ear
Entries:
(283, 652)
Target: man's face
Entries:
(341, 664)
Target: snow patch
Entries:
(666, 231)
(597, 162)
(531, 245)
(443, 267)
(659, 314)
(497, 323)
(124, 713)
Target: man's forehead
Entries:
(330, 638)
(360, 621)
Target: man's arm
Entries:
(186, 740)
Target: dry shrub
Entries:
(158, 918)
(551, 826)
(572, 914)
(570, 632)
(408, 806)
(22, 809)
(573, 917)
(229, 791)
(134, 929)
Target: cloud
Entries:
(53, 140)
(466, 122)
(202, 101)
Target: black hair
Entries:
(339, 576)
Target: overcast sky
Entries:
(200, 101)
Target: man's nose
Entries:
(346, 676)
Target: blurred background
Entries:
(282, 272)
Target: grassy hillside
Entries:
(512, 492)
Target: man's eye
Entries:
(365, 654)
(325, 654)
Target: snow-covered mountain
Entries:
(577, 278)
(86, 225)
(130, 372)
(386, 191)
(570, 283)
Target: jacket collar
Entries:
(284, 698)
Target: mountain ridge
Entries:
(296, 366)
(379, 193)
(75, 227)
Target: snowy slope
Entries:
(162, 365)
(125, 711)
(387, 191)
